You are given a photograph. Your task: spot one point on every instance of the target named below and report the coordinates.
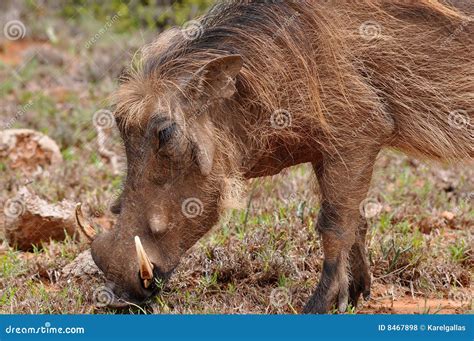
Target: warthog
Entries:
(257, 86)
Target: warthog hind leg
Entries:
(360, 274)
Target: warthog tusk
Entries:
(85, 227)
(146, 267)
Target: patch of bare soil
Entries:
(384, 301)
(12, 52)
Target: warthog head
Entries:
(178, 170)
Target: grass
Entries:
(459, 251)
(415, 251)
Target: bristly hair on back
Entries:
(308, 57)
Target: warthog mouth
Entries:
(155, 286)
(117, 302)
(150, 276)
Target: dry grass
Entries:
(414, 252)
(421, 257)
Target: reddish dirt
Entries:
(11, 52)
(383, 302)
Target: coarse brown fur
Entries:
(327, 82)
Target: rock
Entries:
(82, 266)
(28, 150)
(448, 215)
(30, 220)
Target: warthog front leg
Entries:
(343, 183)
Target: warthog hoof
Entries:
(333, 288)
(360, 274)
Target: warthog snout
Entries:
(132, 274)
(139, 280)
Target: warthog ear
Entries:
(216, 79)
(204, 147)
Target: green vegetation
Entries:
(415, 249)
(137, 14)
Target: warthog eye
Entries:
(164, 135)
